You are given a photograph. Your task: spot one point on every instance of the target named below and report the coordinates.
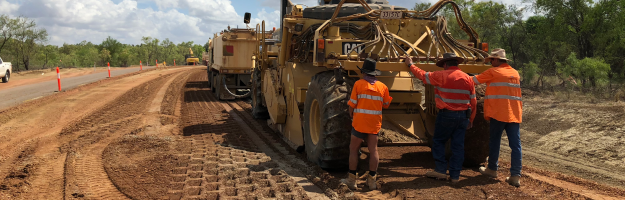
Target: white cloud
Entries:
(72, 21)
(272, 19)
(8, 8)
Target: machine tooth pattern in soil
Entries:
(217, 160)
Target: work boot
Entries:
(455, 181)
(436, 175)
(350, 181)
(488, 172)
(371, 182)
(514, 181)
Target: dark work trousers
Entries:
(450, 125)
(513, 130)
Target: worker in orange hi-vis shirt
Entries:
(503, 106)
(368, 98)
(455, 98)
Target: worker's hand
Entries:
(470, 126)
(408, 61)
(351, 115)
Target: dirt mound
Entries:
(390, 134)
(139, 166)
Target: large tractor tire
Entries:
(327, 123)
(6, 77)
(477, 138)
(259, 111)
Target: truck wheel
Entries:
(209, 73)
(216, 85)
(259, 111)
(327, 124)
(6, 77)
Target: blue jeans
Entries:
(514, 138)
(449, 125)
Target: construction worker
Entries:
(503, 107)
(455, 98)
(368, 98)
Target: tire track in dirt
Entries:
(85, 174)
(32, 154)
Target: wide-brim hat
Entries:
(498, 54)
(448, 57)
(369, 67)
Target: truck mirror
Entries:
(248, 16)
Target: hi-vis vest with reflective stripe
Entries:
(503, 100)
(454, 89)
(368, 101)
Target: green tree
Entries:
(151, 47)
(105, 57)
(589, 70)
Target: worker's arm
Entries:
(484, 77)
(351, 112)
(387, 99)
(473, 106)
(426, 77)
(353, 100)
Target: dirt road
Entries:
(160, 134)
(19, 89)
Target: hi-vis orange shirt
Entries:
(368, 101)
(454, 89)
(503, 100)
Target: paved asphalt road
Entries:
(14, 96)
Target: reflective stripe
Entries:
(503, 97)
(472, 96)
(453, 100)
(457, 91)
(366, 96)
(427, 78)
(354, 101)
(387, 103)
(475, 80)
(371, 112)
(505, 84)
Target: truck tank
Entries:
(230, 63)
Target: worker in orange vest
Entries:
(455, 98)
(368, 98)
(503, 107)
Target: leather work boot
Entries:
(455, 181)
(350, 181)
(371, 182)
(514, 181)
(436, 175)
(488, 172)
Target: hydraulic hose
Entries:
(248, 94)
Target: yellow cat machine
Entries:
(230, 65)
(304, 77)
(190, 59)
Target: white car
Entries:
(5, 70)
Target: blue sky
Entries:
(73, 21)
